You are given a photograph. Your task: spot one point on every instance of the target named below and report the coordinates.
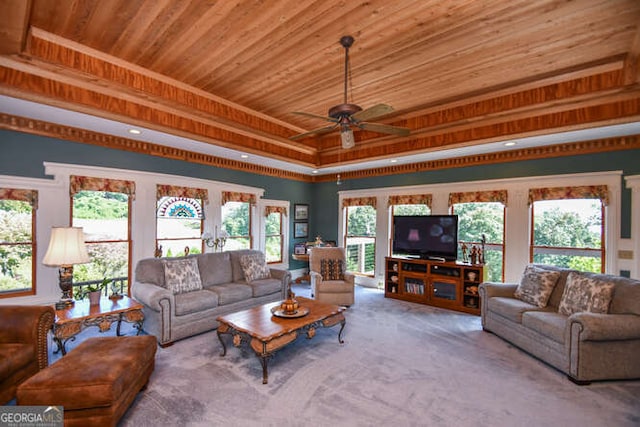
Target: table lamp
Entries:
(66, 248)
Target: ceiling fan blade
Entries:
(381, 128)
(313, 132)
(315, 116)
(372, 112)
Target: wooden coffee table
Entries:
(70, 321)
(266, 333)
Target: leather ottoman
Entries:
(96, 382)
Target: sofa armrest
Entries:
(284, 276)
(28, 324)
(494, 289)
(280, 274)
(350, 278)
(151, 295)
(605, 327)
(316, 278)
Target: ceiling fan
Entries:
(345, 115)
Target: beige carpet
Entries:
(402, 364)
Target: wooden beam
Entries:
(631, 69)
(14, 19)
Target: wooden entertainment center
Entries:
(446, 284)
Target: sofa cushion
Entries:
(229, 293)
(336, 286)
(254, 267)
(182, 275)
(536, 285)
(584, 293)
(150, 270)
(511, 308)
(626, 294)
(548, 323)
(215, 268)
(195, 301)
(332, 269)
(265, 287)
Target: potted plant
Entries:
(94, 291)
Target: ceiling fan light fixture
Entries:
(346, 135)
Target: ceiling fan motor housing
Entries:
(343, 110)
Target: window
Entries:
(179, 220)
(482, 214)
(360, 234)
(567, 227)
(274, 237)
(236, 219)
(102, 208)
(418, 204)
(17, 242)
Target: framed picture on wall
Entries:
(300, 230)
(300, 212)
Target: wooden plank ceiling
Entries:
(230, 73)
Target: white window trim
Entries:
(261, 245)
(633, 183)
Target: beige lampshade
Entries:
(66, 247)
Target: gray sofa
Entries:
(171, 316)
(587, 346)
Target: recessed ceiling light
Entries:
(314, 171)
(244, 156)
(135, 131)
(393, 161)
(509, 144)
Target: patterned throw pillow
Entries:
(254, 267)
(536, 285)
(182, 275)
(332, 269)
(583, 293)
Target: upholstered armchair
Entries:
(330, 281)
(23, 345)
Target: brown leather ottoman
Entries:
(96, 382)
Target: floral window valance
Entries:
(359, 201)
(580, 192)
(411, 199)
(499, 196)
(268, 210)
(87, 183)
(177, 191)
(234, 196)
(29, 196)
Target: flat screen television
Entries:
(427, 237)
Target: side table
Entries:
(70, 321)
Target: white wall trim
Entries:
(633, 183)
(261, 221)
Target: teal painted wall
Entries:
(325, 201)
(23, 155)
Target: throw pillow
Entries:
(583, 293)
(254, 267)
(182, 275)
(332, 269)
(536, 285)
